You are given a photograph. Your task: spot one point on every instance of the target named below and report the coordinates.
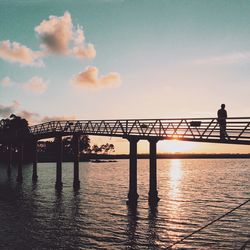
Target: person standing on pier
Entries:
(222, 116)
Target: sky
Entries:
(108, 59)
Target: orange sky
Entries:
(122, 146)
(126, 60)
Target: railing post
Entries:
(20, 163)
(58, 162)
(153, 193)
(76, 182)
(34, 175)
(9, 160)
(132, 194)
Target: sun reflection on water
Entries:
(174, 208)
(175, 175)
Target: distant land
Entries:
(87, 157)
(45, 157)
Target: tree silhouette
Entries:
(103, 149)
(16, 130)
(50, 146)
(15, 127)
(85, 144)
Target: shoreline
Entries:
(87, 158)
(92, 157)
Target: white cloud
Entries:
(58, 35)
(36, 85)
(78, 36)
(89, 79)
(16, 52)
(6, 82)
(87, 51)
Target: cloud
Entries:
(34, 118)
(31, 117)
(78, 36)
(232, 58)
(36, 85)
(6, 82)
(89, 78)
(84, 52)
(16, 52)
(58, 35)
(56, 118)
(7, 110)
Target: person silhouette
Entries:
(222, 116)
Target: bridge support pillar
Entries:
(34, 175)
(132, 194)
(153, 193)
(59, 148)
(76, 182)
(20, 163)
(9, 160)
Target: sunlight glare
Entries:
(175, 175)
(175, 146)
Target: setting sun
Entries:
(174, 146)
(124, 124)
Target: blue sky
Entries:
(158, 59)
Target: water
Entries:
(193, 192)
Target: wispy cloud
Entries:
(57, 118)
(6, 110)
(31, 117)
(16, 52)
(233, 58)
(14, 108)
(89, 79)
(36, 85)
(35, 118)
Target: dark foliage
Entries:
(16, 129)
(84, 146)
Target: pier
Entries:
(152, 130)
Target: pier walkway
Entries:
(152, 130)
(186, 129)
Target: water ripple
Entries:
(192, 192)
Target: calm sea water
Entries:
(192, 192)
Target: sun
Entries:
(175, 146)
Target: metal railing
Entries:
(189, 129)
